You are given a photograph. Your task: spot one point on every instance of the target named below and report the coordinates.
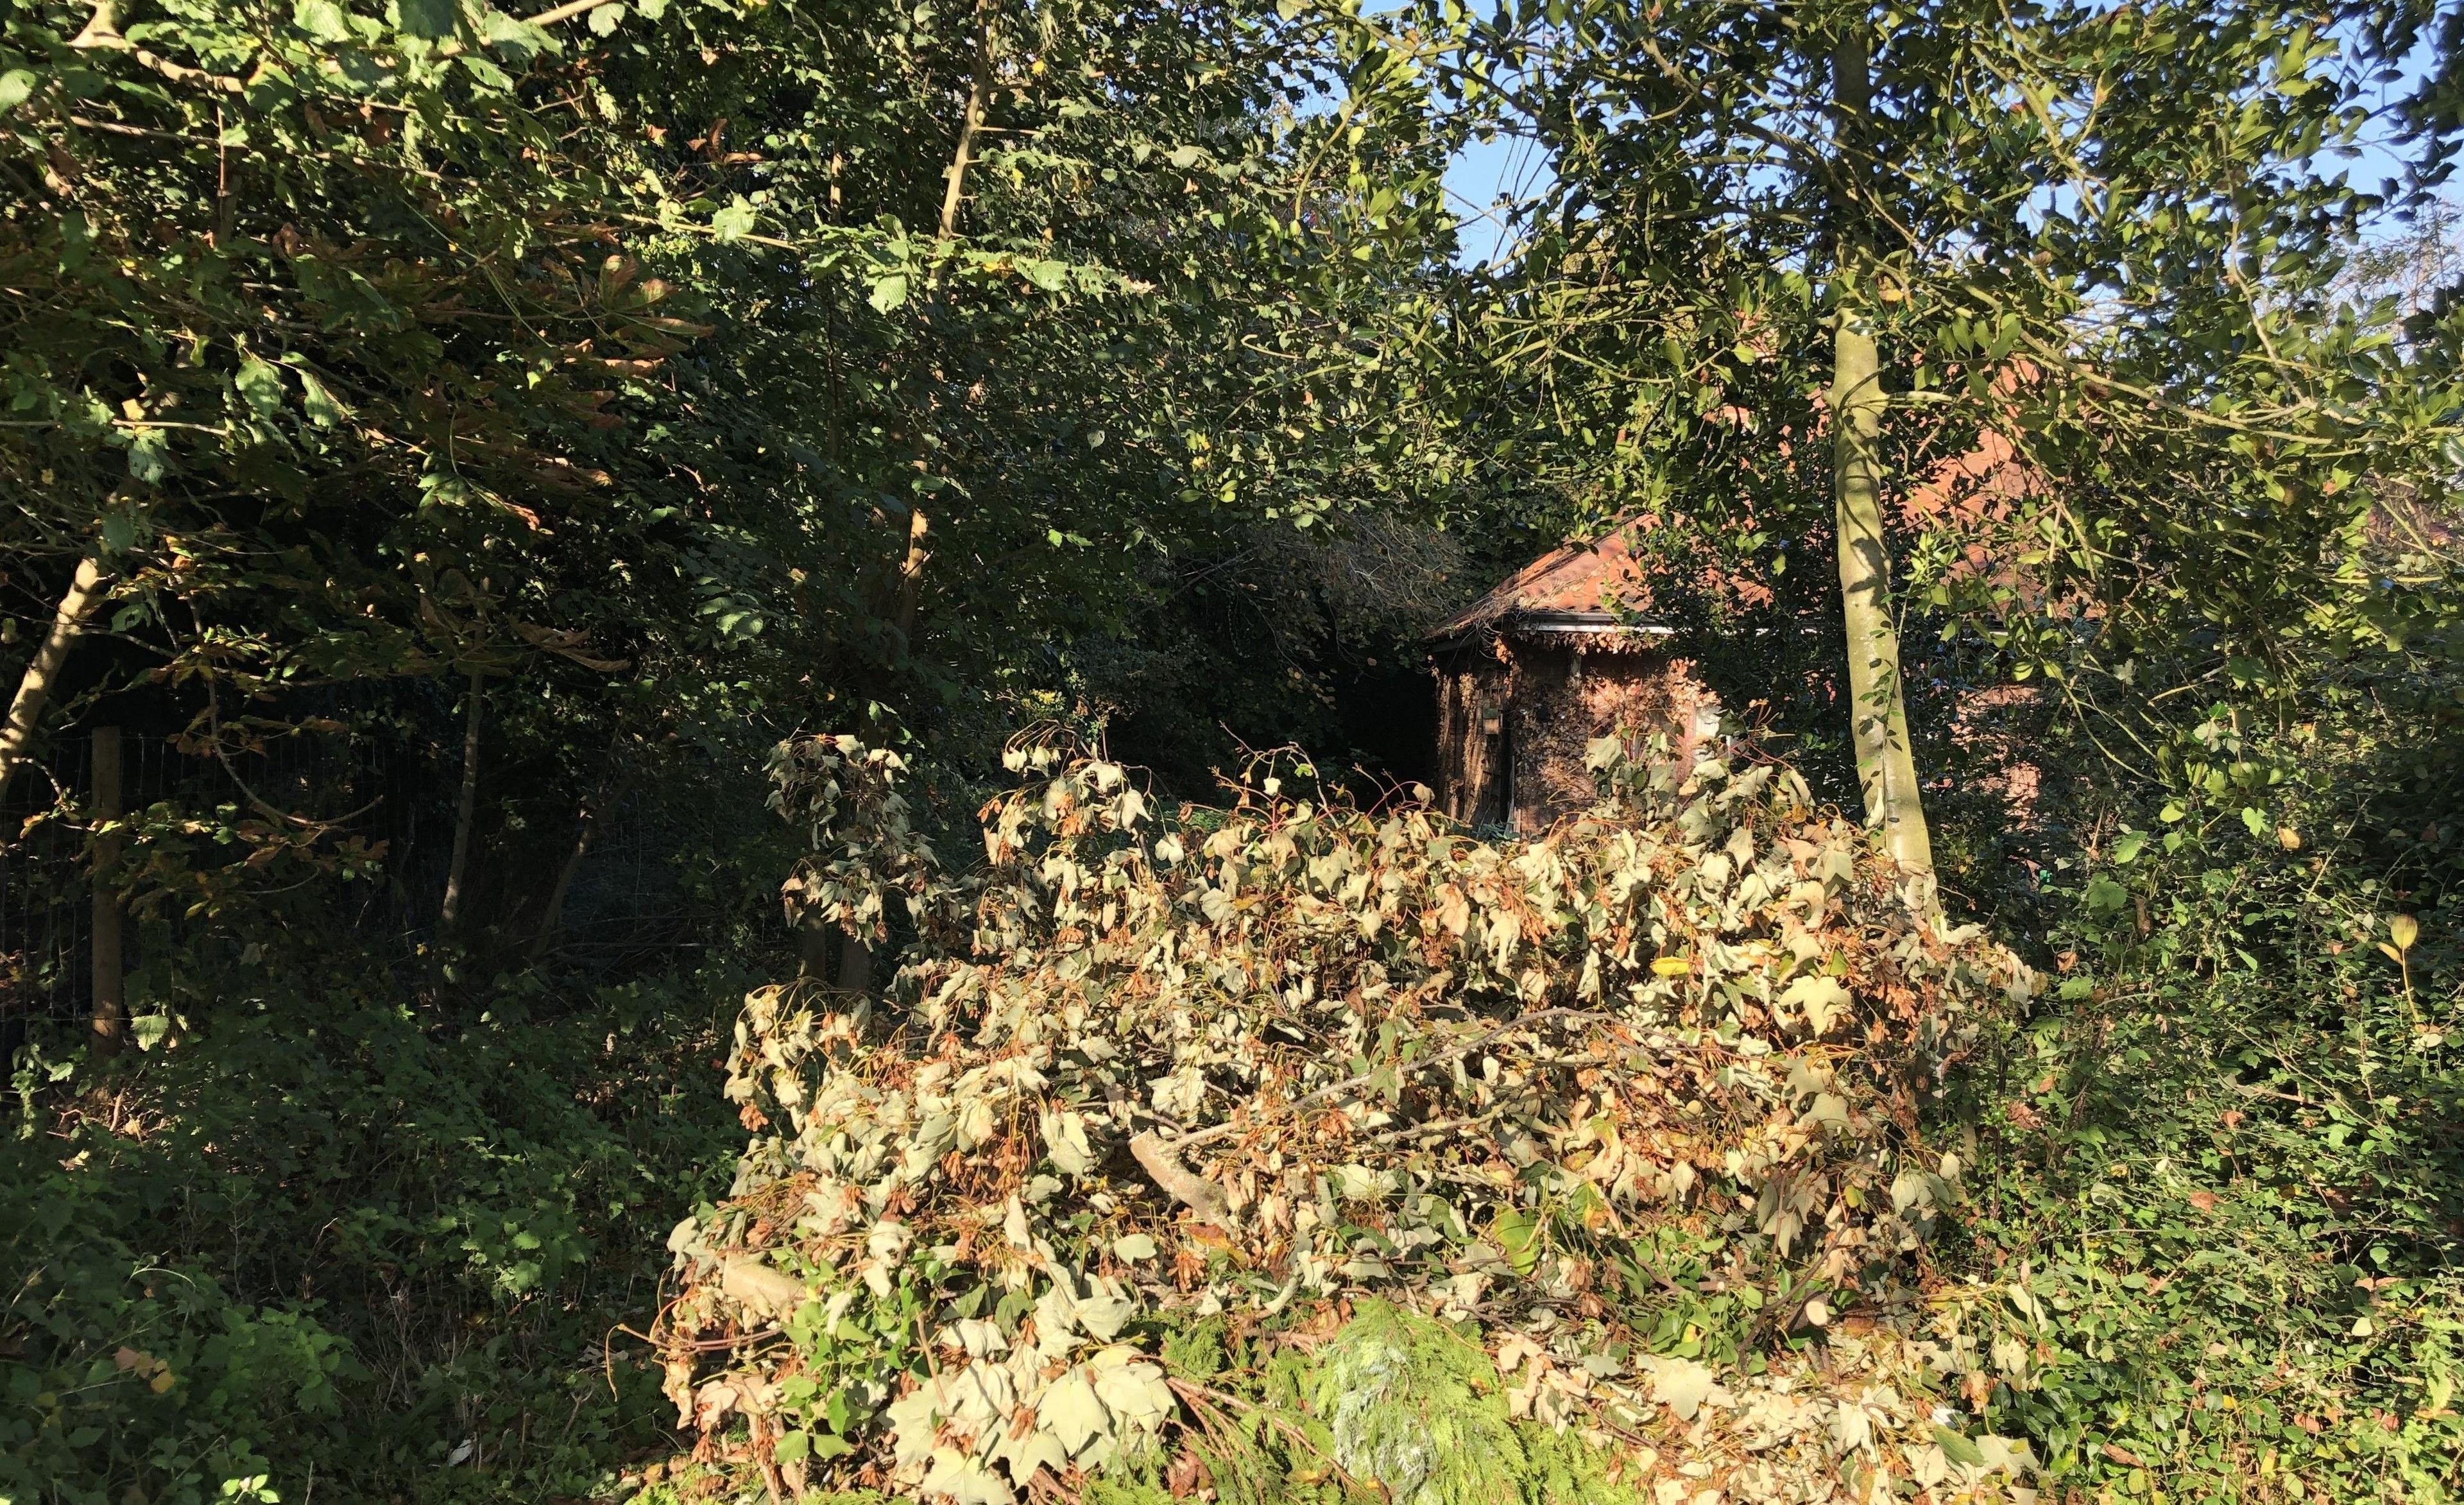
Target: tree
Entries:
(2115, 412)
(1876, 702)
(616, 362)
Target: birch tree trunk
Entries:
(85, 592)
(1886, 770)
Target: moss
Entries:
(1413, 1407)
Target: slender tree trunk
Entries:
(978, 101)
(954, 194)
(812, 951)
(110, 984)
(85, 592)
(855, 955)
(553, 918)
(1885, 763)
(855, 967)
(911, 576)
(465, 810)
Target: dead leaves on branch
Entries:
(1167, 1064)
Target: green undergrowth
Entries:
(1392, 1407)
(2225, 1153)
(340, 1243)
(2243, 1263)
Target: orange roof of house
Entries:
(1589, 588)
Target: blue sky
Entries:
(1480, 174)
(1511, 168)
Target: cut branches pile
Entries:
(1151, 1067)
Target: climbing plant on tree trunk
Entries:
(1886, 770)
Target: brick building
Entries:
(1533, 670)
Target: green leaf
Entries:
(1518, 1234)
(15, 86)
(603, 21)
(321, 19)
(735, 222)
(1958, 1447)
(323, 409)
(2256, 822)
(2126, 849)
(513, 38)
(149, 455)
(792, 1448)
(888, 293)
(260, 386)
(1050, 276)
(429, 19)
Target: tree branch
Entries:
(86, 590)
(979, 97)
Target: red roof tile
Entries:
(1579, 578)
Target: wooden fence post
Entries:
(104, 808)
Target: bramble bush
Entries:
(371, 1256)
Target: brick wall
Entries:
(1546, 704)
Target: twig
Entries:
(565, 12)
(1327, 1094)
(102, 30)
(1192, 1190)
(263, 805)
(1161, 1158)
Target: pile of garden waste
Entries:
(1290, 1149)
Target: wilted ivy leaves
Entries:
(1405, 1061)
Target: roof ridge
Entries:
(1569, 579)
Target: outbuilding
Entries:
(1529, 675)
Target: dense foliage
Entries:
(471, 455)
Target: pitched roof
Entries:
(1586, 590)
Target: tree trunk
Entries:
(812, 951)
(35, 686)
(978, 99)
(1885, 763)
(104, 810)
(855, 967)
(911, 578)
(553, 918)
(450, 914)
(954, 194)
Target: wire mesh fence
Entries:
(46, 914)
(383, 765)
